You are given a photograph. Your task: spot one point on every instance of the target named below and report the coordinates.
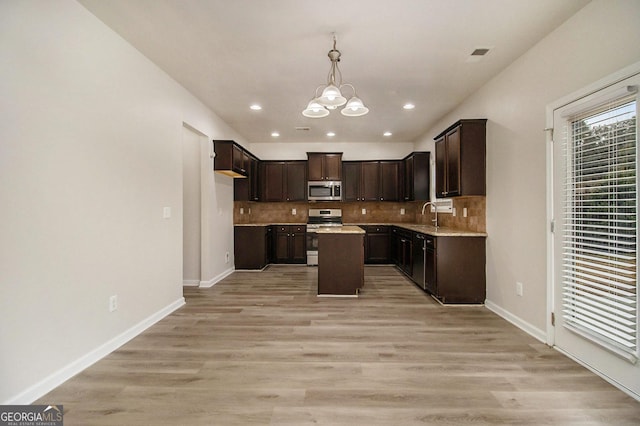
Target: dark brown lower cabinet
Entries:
(290, 244)
(251, 246)
(402, 247)
(452, 269)
(455, 269)
(377, 245)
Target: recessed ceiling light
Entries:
(275, 134)
(255, 107)
(331, 134)
(409, 106)
(387, 134)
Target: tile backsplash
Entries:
(474, 221)
(245, 212)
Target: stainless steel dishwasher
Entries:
(419, 245)
(430, 264)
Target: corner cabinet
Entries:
(247, 189)
(324, 166)
(252, 246)
(417, 177)
(377, 245)
(231, 159)
(461, 159)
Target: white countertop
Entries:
(346, 229)
(440, 231)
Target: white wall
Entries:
(191, 205)
(90, 154)
(598, 40)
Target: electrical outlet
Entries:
(294, 212)
(364, 211)
(453, 211)
(401, 211)
(113, 303)
(241, 210)
(464, 212)
(519, 289)
(226, 257)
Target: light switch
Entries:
(166, 212)
(464, 212)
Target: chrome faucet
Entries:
(435, 209)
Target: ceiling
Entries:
(232, 54)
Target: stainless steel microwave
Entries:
(324, 190)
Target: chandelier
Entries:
(331, 96)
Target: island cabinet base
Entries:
(340, 264)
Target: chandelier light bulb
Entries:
(315, 110)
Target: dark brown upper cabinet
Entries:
(461, 159)
(231, 159)
(324, 166)
(283, 180)
(417, 177)
(390, 180)
(248, 189)
(371, 180)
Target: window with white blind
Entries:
(599, 286)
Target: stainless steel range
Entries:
(319, 218)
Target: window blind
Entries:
(599, 286)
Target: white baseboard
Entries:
(541, 335)
(56, 379)
(190, 283)
(217, 278)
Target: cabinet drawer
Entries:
(376, 229)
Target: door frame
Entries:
(592, 89)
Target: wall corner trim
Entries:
(535, 332)
(54, 380)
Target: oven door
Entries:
(312, 246)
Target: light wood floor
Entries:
(261, 348)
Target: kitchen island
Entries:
(340, 261)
